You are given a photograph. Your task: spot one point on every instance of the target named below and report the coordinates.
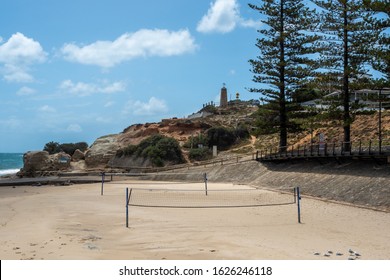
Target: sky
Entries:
(75, 70)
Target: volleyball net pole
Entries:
(128, 195)
(102, 188)
(205, 182)
(298, 201)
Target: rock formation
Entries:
(78, 155)
(102, 151)
(38, 162)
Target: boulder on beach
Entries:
(37, 162)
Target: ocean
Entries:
(10, 163)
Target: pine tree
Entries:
(284, 62)
(348, 34)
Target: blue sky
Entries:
(76, 70)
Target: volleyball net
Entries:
(172, 198)
(175, 198)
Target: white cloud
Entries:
(47, 109)
(222, 17)
(74, 128)
(11, 123)
(250, 23)
(104, 120)
(17, 55)
(152, 107)
(85, 89)
(143, 43)
(24, 91)
(109, 104)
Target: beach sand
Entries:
(75, 222)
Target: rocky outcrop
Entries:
(78, 155)
(102, 151)
(38, 162)
(180, 129)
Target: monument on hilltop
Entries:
(224, 100)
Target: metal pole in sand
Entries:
(103, 175)
(295, 195)
(299, 205)
(205, 181)
(127, 205)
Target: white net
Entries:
(213, 199)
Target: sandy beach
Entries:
(75, 222)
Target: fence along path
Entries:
(358, 149)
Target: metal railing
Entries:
(327, 149)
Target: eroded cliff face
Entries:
(102, 153)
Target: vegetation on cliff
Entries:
(68, 148)
(158, 149)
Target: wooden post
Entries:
(299, 205)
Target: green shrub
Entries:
(69, 148)
(200, 154)
(193, 142)
(157, 148)
(52, 147)
(241, 132)
(129, 150)
(221, 137)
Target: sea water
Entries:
(10, 163)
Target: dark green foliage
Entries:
(221, 137)
(52, 147)
(348, 36)
(267, 120)
(284, 62)
(380, 52)
(68, 148)
(129, 150)
(157, 148)
(241, 132)
(305, 93)
(195, 141)
(200, 154)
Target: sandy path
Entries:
(75, 222)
